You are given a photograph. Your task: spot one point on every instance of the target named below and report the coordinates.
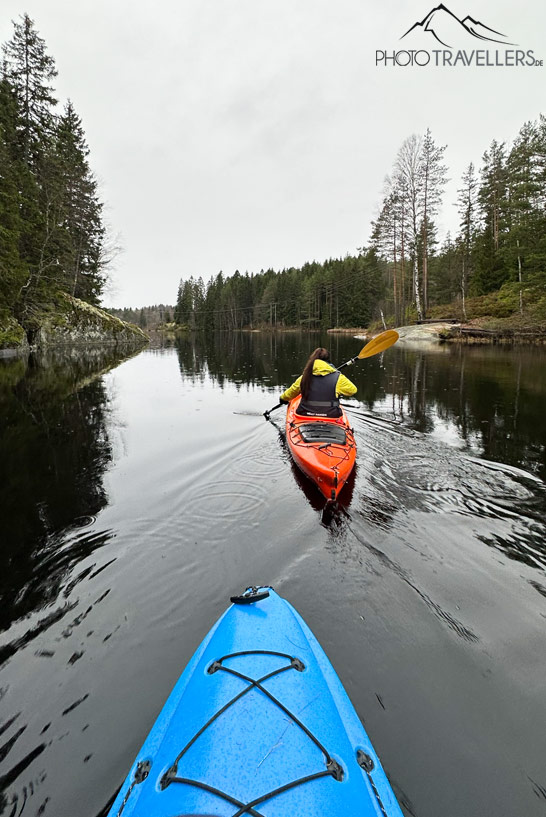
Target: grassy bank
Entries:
(509, 310)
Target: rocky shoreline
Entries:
(70, 322)
(439, 332)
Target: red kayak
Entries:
(323, 448)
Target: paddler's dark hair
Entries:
(318, 354)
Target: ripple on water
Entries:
(53, 564)
(520, 545)
(456, 482)
(436, 481)
(264, 461)
(226, 501)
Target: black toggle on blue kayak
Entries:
(258, 724)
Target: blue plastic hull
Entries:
(298, 725)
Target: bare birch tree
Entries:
(409, 180)
(404, 230)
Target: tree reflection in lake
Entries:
(54, 450)
(488, 399)
(491, 399)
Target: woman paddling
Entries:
(320, 387)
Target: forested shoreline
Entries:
(52, 235)
(53, 240)
(494, 266)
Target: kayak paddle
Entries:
(376, 345)
(267, 413)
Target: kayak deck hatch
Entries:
(323, 433)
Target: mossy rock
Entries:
(12, 334)
(73, 321)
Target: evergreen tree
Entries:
(198, 303)
(467, 207)
(491, 271)
(12, 269)
(184, 304)
(445, 272)
(537, 257)
(30, 71)
(177, 317)
(81, 252)
(52, 236)
(525, 211)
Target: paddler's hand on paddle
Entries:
(279, 404)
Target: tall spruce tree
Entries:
(387, 240)
(30, 71)
(51, 231)
(12, 269)
(83, 233)
(184, 310)
(525, 212)
(537, 259)
(491, 271)
(467, 206)
(445, 272)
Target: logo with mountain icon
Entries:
(442, 25)
(442, 40)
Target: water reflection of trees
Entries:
(492, 398)
(249, 358)
(54, 450)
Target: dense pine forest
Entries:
(52, 236)
(495, 265)
(339, 292)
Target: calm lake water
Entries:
(136, 499)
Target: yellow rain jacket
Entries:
(344, 387)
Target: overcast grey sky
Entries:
(247, 134)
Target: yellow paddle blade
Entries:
(379, 343)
